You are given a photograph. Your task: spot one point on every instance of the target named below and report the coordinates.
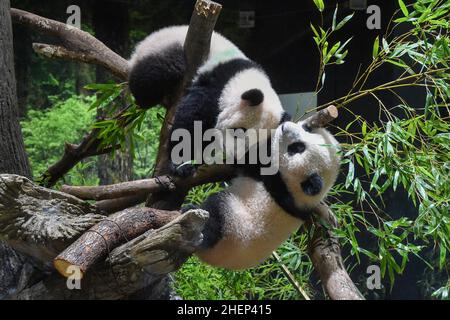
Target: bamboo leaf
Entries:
(376, 47)
(403, 8)
(344, 21)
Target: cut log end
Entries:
(323, 117)
(332, 111)
(68, 269)
(207, 8)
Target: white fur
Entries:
(254, 224)
(254, 227)
(320, 157)
(234, 113)
(221, 50)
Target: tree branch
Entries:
(78, 45)
(205, 174)
(196, 47)
(326, 257)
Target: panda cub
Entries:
(257, 213)
(229, 90)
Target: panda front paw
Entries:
(185, 170)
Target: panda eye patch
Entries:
(307, 128)
(296, 147)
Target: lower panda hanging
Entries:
(254, 215)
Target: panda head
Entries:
(308, 161)
(248, 101)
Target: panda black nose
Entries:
(254, 97)
(282, 128)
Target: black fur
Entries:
(279, 192)
(201, 101)
(276, 186)
(313, 185)
(254, 97)
(296, 147)
(213, 230)
(157, 76)
(285, 117)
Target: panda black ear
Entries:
(253, 97)
(313, 185)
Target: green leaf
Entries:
(395, 182)
(314, 30)
(399, 63)
(319, 4)
(344, 21)
(386, 46)
(333, 25)
(403, 8)
(376, 47)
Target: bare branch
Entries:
(114, 205)
(77, 44)
(205, 174)
(326, 257)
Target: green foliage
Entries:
(408, 152)
(146, 142)
(127, 125)
(45, 133)
(329, 53)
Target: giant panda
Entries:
(229, 91)
(256, 213)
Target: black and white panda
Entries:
(256, 213)
(229, 91)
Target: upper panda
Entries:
(229, 90)
(256, 213)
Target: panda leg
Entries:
(213, 230)
(156, 76)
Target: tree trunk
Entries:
(111, 26)
(13, 158)
(16, 269)
(22, 57)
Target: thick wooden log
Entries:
(98, 241)
(162, 250)
(41, 222)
